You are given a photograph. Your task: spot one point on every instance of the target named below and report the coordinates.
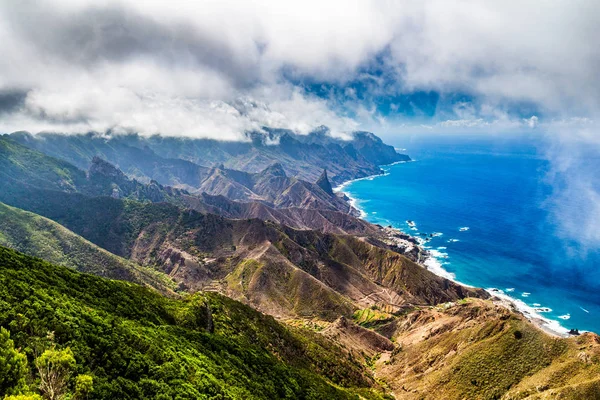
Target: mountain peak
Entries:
(275, 169)
(104, 168)
(323, 183)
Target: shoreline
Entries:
(430, 262)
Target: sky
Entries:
(219, 68)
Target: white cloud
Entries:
(180, 67)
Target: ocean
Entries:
(487, 208)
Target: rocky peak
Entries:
(323, 183)
(103, 168)
(275, 169)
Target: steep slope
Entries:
(19, 163)
(477, 349)
(135, 343)
(302, 273)
(280, 270)
(271, 186)
(171, 160)
(23, 167)
(40, 237)
(327, 221)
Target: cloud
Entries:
(184, 68)
(573, 153)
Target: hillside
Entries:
(135, 343)
(281, 271)
(479, 350)
(270, 186)
(356, 314)
(40, 237)
(171, 160)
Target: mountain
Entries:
(323, 183)
(134, 343)
(40, 237)
(173, 160)
(271, 186)
(476, 349)
(24, 167)
(324, 220)
(361, 317)
(279, 270)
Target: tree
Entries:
(13, 366)
(84, 385)
(54, 367)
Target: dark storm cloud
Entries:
(11, 100)
(118, 34)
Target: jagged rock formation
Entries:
(323, 183)
(178, 161)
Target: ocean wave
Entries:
(463, 228)
(434, 265)
(565, 317)
(530, 312)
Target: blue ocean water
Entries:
(501, 192)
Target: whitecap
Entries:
(536, 304)
(510, 289)
(530, 312)
(525, 294)
(464, 228)
(584, 310)
(435, 266)
(453, 240)
(565, 317)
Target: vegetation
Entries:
(477, 350)
(370, 317)
(101, 339)
(40, 237)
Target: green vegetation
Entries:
(40, 237)
(370, 317)
(111, 339)
(34, 168)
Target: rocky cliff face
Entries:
(172, 160)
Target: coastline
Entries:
(431, 262)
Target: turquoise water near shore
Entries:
(500, 192)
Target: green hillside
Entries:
(134, 343)
(40, 237)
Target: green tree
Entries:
(84, 384)
(13, 366)
(54, 368)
